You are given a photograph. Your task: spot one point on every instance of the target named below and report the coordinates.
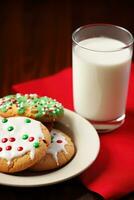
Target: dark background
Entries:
(35, 36)
(35, 41)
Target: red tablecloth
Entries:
(112, 174)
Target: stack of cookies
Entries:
(25, 140)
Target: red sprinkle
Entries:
(20, 148)
(31, 139)
(0, 149)
(8, 148)
(4, 140)
(11, 139)
(59, 141)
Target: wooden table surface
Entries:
(35, 41)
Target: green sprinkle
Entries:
(58, 111)
(24, 137)
(39, 114)
(35, 100)
(4, 109)
(28, 120)
(36, 144)
(21, 110)
(10, 128)
(4, 120)
(21, 99)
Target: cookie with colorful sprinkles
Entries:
(44, 109)
(23, 141)
(59, 152)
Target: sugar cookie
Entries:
(23, 141)
(44, 109)
(59, 152)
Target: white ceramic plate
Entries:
(87, 145)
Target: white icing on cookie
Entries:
(58, 144)
(12, 140)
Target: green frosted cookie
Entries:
(44, 108)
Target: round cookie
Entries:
(44, 109)
(23, 141)
(59, 152)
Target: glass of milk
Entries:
(102, 56)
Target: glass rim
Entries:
(101, 25)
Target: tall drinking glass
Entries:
(102, 55)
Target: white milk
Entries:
(100, 79)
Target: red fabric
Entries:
(112, 174)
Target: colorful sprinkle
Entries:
(39, 113)
(36, 144)
(11, 139)
(4, 140)
(4, 120)
(59, 141)
(20, 148)
(28, 120)
(10, 128)
(31, 139)
(0, 149)
(8, 148)
(21, 111)
(3, 109)
(25, 136)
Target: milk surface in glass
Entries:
(100, 78)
